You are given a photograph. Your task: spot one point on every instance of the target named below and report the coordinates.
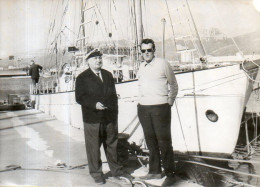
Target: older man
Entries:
(157, 91)
(95, 92)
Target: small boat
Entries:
(12, 107)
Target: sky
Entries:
(25, 24)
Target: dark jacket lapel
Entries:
(94, 77)
(105, 80)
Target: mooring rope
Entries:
(252, 141)
(226, 159)
(232, 181)
(132, 121)
(223, 169)
(252, 78)
(247, 71)
(181, 127)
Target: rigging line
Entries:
(130, 124)
(230, 36)
(106, 29)
(70, 30)
(186, 31)
(254, 63)
(101, 30)
(181, 127)
(50, 16)
(134, 14)
(52, 24)
(233, 182)
(111, 21)
(248, 61)
(216, 80)
(175, 44)
(91, 30)
(66, 38)
(131, 20)
(120, 26)
(56, 11)
(237, 46)
(133, 29)
(210, 95)
(226, 159)
(190, 29)
(144, 12)
(109, 16)
(251, 78)
(197, 33)
(64, 13)
(219, 84)
(74, 21)
(81, 27)
(146, 20)
(223, 169)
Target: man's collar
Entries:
(94, 71)
(150, 63)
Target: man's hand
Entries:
(171, 101)
(100, 106)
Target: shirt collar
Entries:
(150, 63)
(95, 72)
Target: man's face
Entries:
(147, 52)
(95, 63)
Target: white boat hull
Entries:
(224, 90)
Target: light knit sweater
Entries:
(157, 83)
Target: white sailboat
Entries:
(208, 110)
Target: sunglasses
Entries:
(148, 50)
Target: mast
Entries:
(83, 25)
(139, 23)
(163, 38)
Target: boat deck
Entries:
(45, 151)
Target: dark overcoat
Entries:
(34, 71)
(90, 89)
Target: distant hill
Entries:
(247, 43)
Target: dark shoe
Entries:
(100, 180)
(151, 176)
(170, 181)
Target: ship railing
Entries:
(51, 86)
(120, 76)
(43, 87)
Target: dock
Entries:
(39, 150)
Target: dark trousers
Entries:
(95, 135)
(35, 80)
(156, 123)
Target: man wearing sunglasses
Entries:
(158, 89)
